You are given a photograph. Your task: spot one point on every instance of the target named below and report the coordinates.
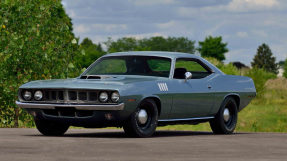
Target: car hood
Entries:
(113, 82)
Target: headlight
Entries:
(38, 95)
(115, 97)
(27, 95)
(103, 97)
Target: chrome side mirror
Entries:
(188, 75)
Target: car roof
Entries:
(172, 55)
(154, 53)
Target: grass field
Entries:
(265, 114)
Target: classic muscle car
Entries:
(139, 91)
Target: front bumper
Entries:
(116, 107)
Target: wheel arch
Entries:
(156, 100)
(236, 97)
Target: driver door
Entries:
(192, 97)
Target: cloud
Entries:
(234, 6)
(254, 21)
(152, 2)
(166, 25)
(242, 34)
(251, 5)
(279, 51)
(81, 29)
(212, 30)
(241, 55)
(71, 13)
(260, 33)
(109, 27)
(141, 36)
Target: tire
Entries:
(225, 125)
(135, 126)
(51, 128)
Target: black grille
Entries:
(93, 96)
(82, 96)
(61, 95)
(72, 95)
(47, 95)
(54, 95)
(68, 112)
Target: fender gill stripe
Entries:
(166, 87)
(162, 86)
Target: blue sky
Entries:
(244, 24)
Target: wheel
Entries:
(226, 119)
(51, 128)
(143, 122)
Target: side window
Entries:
(190, 66)
(159, 67)
(194, 66)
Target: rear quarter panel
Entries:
(226, 85)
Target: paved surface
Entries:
(93, 144)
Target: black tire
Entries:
(219, 125)
(134, 128)
(51, 128)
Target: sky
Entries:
(243, 24)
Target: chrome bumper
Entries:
(78, 107)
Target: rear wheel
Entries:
(226, 119)
(143, 121)
(51, 128)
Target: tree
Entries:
(122, 44)
(36, 43)
(158, 43)
(89, 53)
(285, 69)
(213, 47)
(264, 59)
(176, 44)
(281, 63)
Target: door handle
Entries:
(209, 87)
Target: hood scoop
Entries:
(90, 77)
(95, 77)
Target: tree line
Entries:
(37, 42)
(212, 47)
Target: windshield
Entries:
(131, 65)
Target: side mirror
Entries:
(188, 75)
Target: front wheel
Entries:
(51, 128)
(143, 121)
(226, 119)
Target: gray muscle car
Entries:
(139, 91)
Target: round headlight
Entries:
(38, 95)
(115, 97)
(27, 95)
(103, 97)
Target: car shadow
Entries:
(121, 134)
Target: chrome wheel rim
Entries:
(226, 114)
(142, 116)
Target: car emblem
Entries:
(162, 87)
